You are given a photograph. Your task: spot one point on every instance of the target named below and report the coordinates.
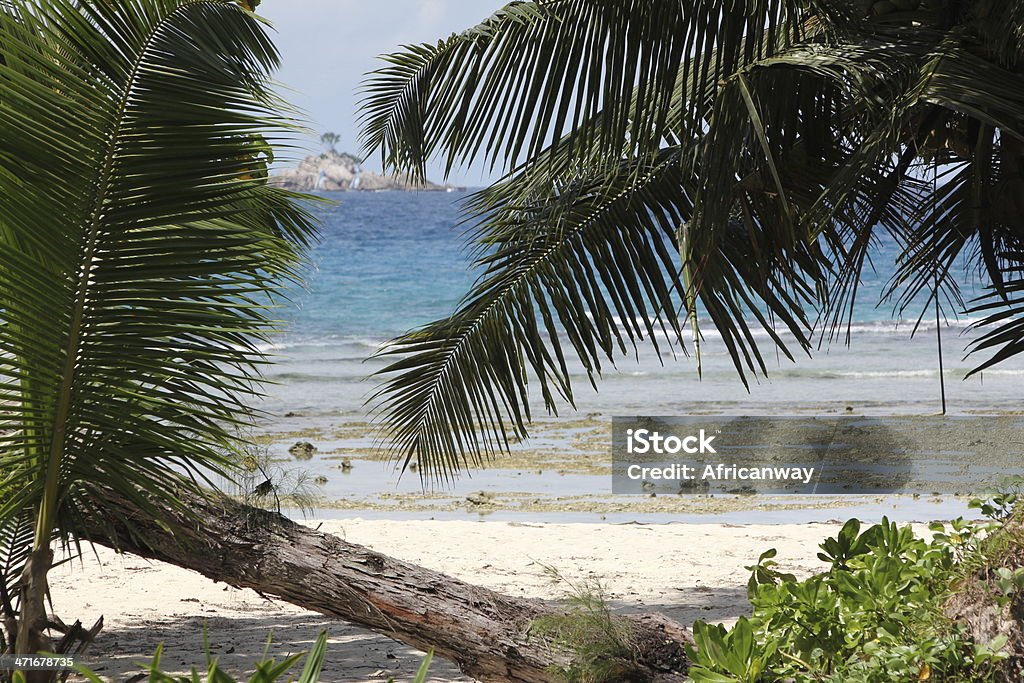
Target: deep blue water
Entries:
(390, 262)
(386, 262)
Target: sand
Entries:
(687, 571)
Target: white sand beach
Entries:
(687, 571)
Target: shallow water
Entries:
(901, 510)
(390, 262)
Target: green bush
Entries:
(600, 641)
(267, 670)
(874, 616)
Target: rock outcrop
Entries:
(303, 450)
(342, 172)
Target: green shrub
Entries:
(600, 641)
(874, 616)
(267, 670)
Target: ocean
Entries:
(389, 262)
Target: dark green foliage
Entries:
(267, 670)
(874, 616)
(663, 159)
(601, 643)
(141, 252)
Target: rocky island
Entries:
(334, 171)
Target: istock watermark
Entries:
(647, 441)
(720, 472)
(842, 454)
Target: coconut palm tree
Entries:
(329, 140)
(664, 157)
(140, 251)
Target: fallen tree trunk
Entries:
(485, 633)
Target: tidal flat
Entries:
(563, 472)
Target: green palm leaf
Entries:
(590, 258)
(140, 248)
(579, 65)
(799, 132)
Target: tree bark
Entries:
(31, 633)
(485, 633)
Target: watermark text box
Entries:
(830, 455)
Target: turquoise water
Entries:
(390, 262)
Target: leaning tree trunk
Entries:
(485, 633)
(32, 624)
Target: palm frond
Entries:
(578, 66)
(141, 247)
(801, 130)
(1002, 319)
(584, 268)
(16, 537)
